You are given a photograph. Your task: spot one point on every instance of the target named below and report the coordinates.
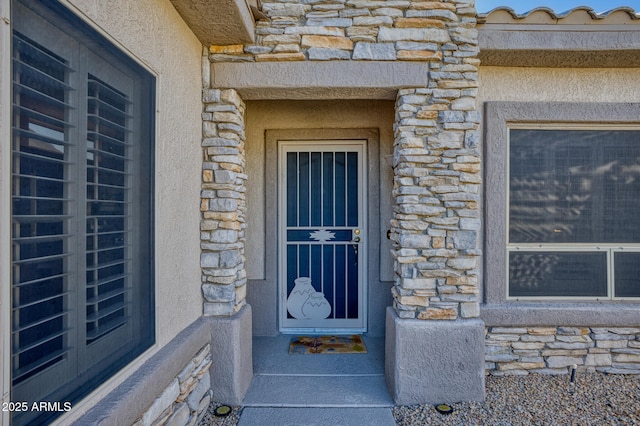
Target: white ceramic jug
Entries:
(298, 296)
(316, 307)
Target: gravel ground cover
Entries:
(598, 399)
(211, 419)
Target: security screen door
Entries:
(322, 236)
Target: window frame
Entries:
(141, 327)
(608, 248)
(499, 117)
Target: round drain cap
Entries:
(444, 408)
(222, 411)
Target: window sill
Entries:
(596, 314)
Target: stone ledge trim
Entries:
(550, 314)
(127, 402)
(259, 80)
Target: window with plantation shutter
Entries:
(573, 200)
(82, 208)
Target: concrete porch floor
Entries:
(295, 389)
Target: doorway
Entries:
(322, 236)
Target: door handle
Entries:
(355, 240)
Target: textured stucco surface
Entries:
(264, 115)
(573, 46)
(222, 21)
(561, 58)
(232, 354)
(319, 80)
(558, 84)
(434, 361)
(528, 38)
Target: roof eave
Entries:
(220, 22)
(579, 38)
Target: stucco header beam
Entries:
(319, 80)
(523, 45)
(219, 22)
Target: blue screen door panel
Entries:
(322, 234)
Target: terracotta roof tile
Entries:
(545, 15)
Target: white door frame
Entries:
(316, 326)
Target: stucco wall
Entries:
(264, 115)
(152, 32)
(558, 84)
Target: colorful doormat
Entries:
(327, 345)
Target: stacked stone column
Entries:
(223, 203)
(436, 221)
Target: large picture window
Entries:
(82, 208)
(574, 198)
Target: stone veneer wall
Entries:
(436, 187)
(436, 160)
(186, 399)
(223, 203)
(321, 30)
(551, 350)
